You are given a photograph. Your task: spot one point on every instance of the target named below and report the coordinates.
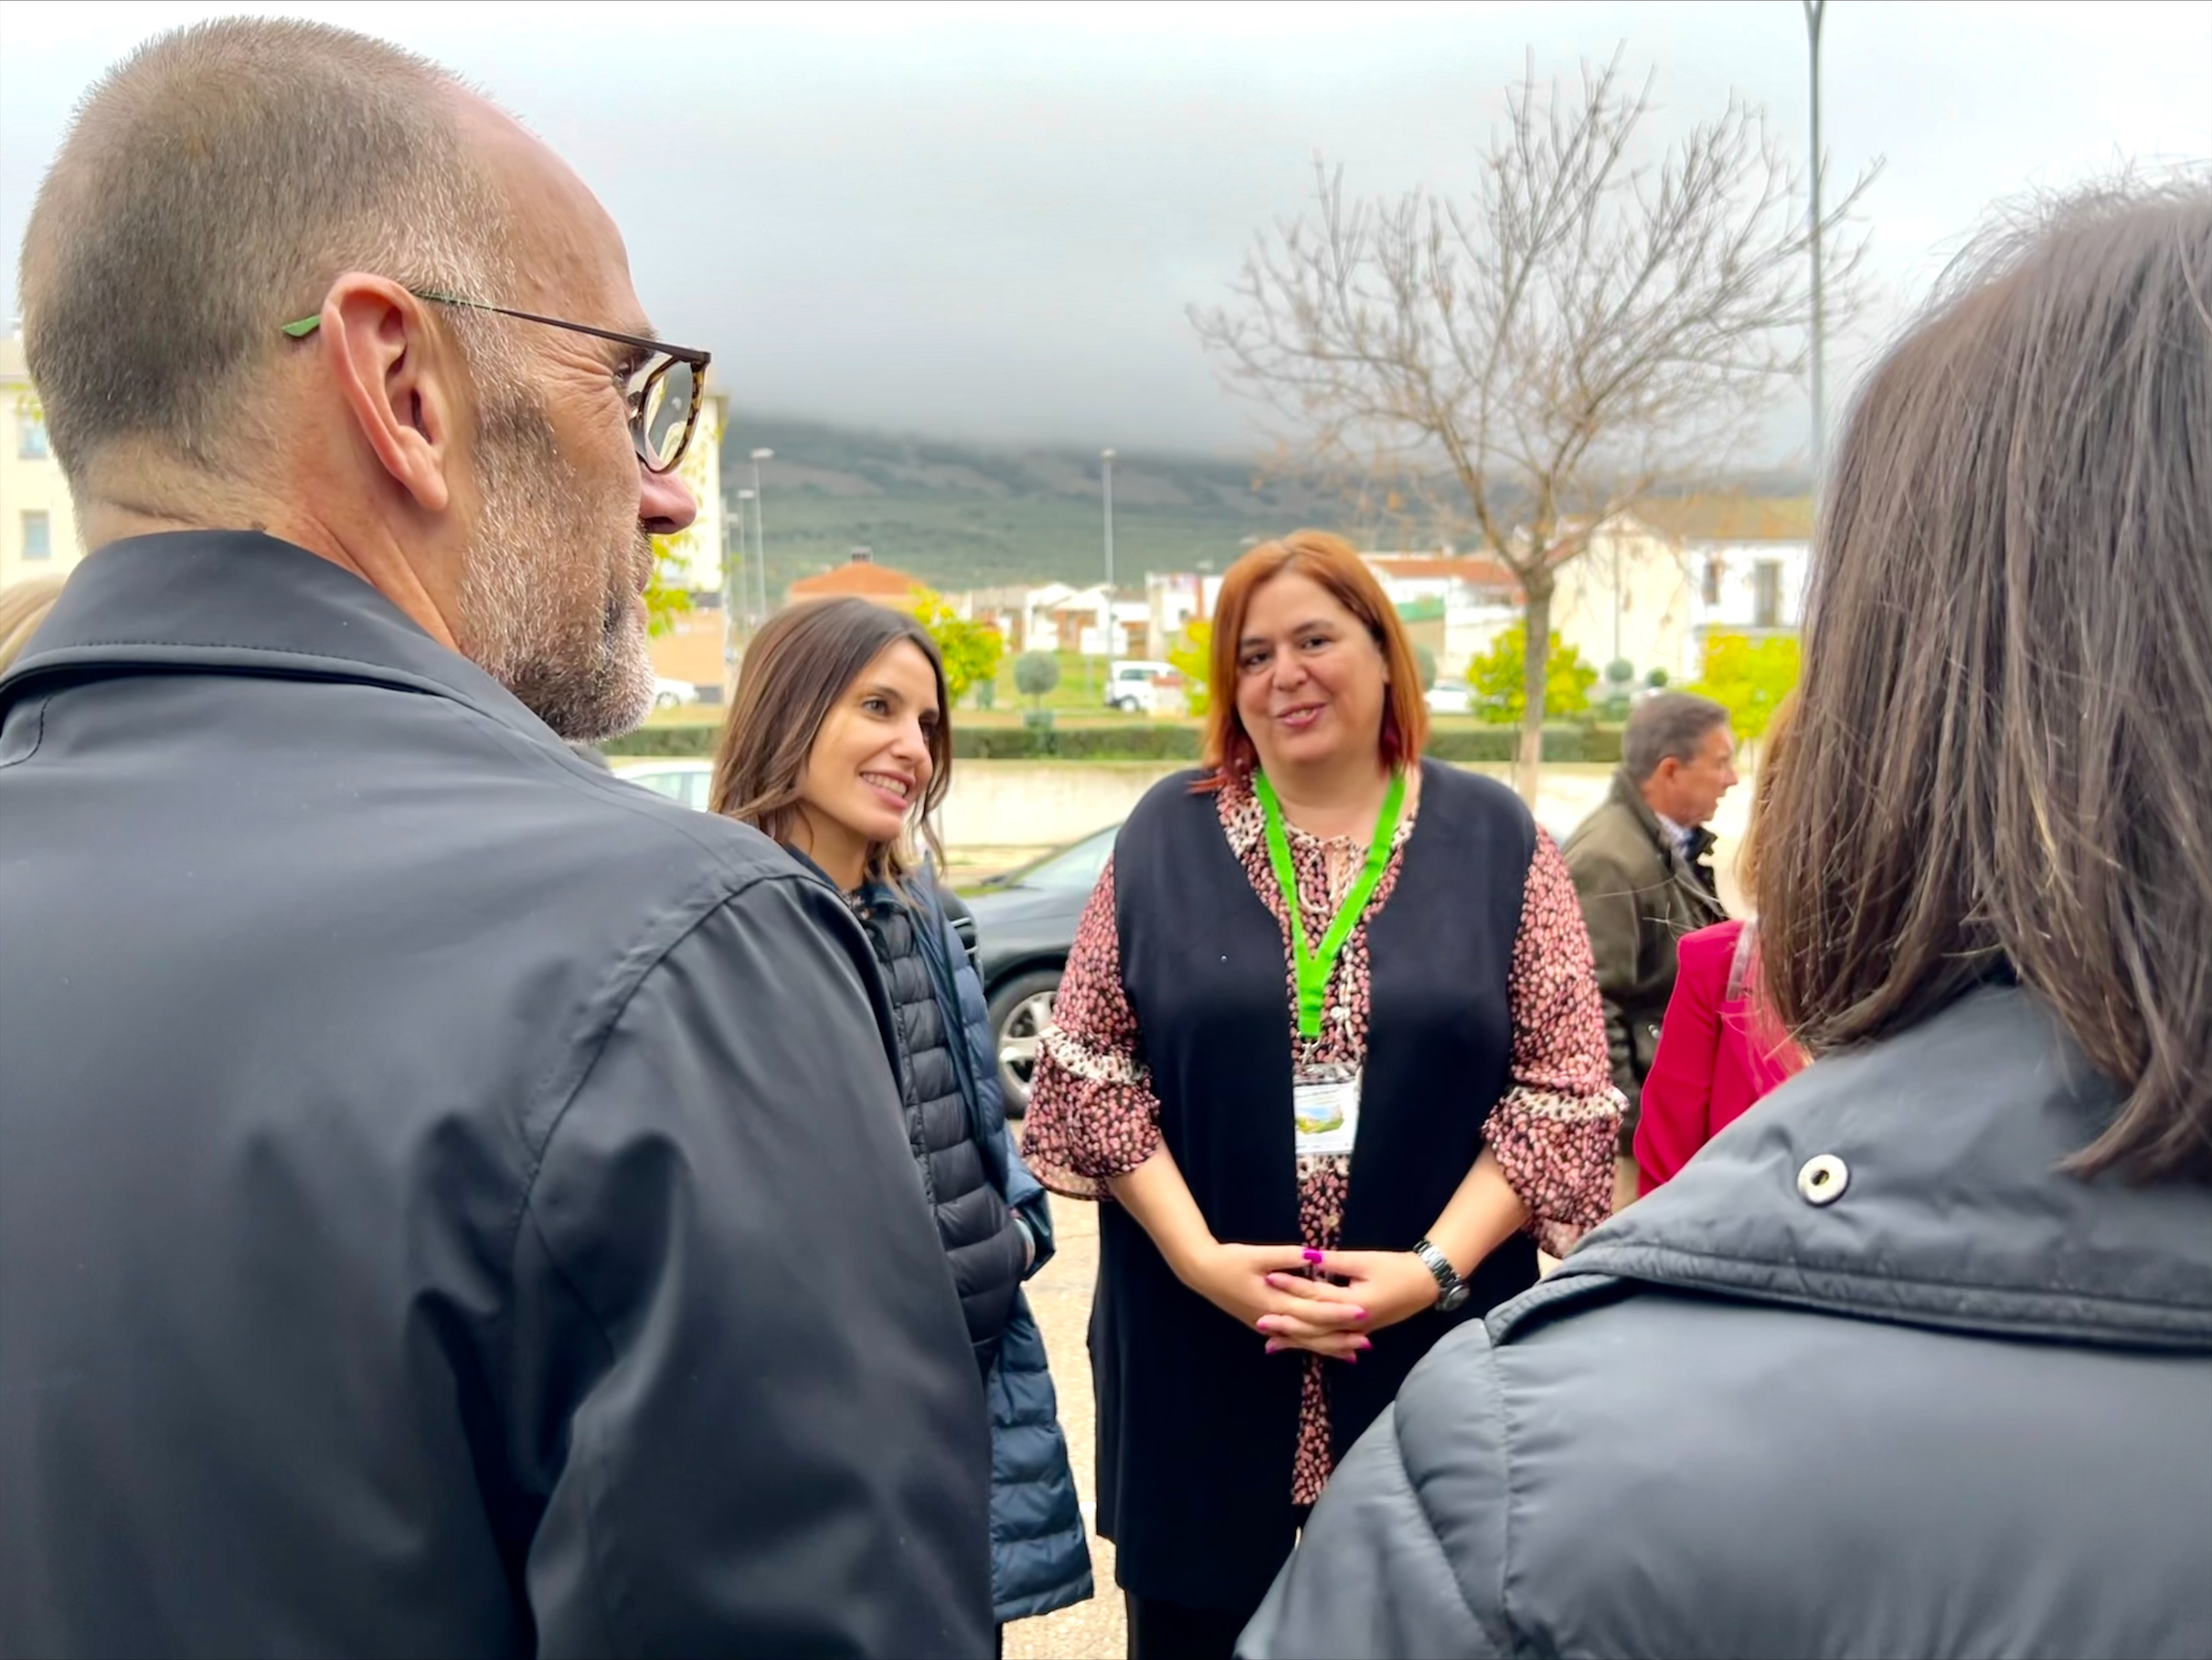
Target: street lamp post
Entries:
(1106, 474)
(1820, 409)
(1106, 478)
(759, 530)
(744, 586)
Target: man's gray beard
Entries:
(578, 661)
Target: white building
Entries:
(1172, 601)
(38, 525)
(1455, 605)
(1629, 596)
(38, 522)
(1655, 583)
(693, 560)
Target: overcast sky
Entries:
(987, 221)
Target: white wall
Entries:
(30, 484)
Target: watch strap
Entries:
(1440, 1267)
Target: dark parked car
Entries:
(1025, 927)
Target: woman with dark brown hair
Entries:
(840, 748)
(1329, 1046)
(1916, 1356)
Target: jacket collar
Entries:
(1953, 1213)
(239, 602)
(1624, 791)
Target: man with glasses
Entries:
(451, 1201)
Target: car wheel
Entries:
(1020, 1010)
(666, 700)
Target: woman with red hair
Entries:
(1330, 1039)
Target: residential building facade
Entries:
(38, 521)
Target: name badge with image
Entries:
(1325, 1110)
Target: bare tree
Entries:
(1575, 332)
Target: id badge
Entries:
(1324, 1107)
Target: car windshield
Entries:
(688, 786)
(1071, 869)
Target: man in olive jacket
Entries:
(1643, 868)
(452, 1201)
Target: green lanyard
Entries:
(1315, 968)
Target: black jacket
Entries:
(452, 1201)
(1948, 1401)
(962, 1161)
(1640, 895)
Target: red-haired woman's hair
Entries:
(1331, 562)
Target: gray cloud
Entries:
(987, 222)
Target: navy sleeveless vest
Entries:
(1198, 1426)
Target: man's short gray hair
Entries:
(1667, 724)
(211, 187)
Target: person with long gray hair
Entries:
(451, 1200)
(1914, 1357)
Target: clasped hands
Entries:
(1290, 1298)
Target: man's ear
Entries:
(399, 377)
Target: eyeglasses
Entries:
(663, 389)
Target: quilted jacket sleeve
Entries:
(1405, 1554)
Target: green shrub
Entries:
(1496, 746)
(1131, 742)
(1035, 674)
(1148, 740)
(693, 742)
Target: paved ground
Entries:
(1061, 1297)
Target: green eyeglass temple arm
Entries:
(682, 353)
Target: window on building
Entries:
(30, 435)
(1712, 583)
(38, 537)
(1766, 595)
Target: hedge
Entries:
(1497, 744)
(1492, 745)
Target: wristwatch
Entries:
(1451, 1291)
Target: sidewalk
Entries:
(1061, 1296)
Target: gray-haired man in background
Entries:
(1643, 868)
(452, 1201)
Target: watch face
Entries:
(1451, 1299)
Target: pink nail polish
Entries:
(1313, 1256)
(1262, 1324)
(1359, 1313)
(1352, 1360)
(1365, 1344)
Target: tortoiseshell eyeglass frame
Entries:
(644, 378)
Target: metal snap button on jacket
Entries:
(1823, 1179)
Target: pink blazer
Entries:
(1709, 1066)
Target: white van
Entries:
(1138, 687)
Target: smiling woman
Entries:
(839, 746)
(1318, 953)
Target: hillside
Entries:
(971, 515)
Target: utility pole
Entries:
(1813, 9)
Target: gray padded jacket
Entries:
(1932, 1398)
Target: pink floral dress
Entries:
(1093, 1115)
